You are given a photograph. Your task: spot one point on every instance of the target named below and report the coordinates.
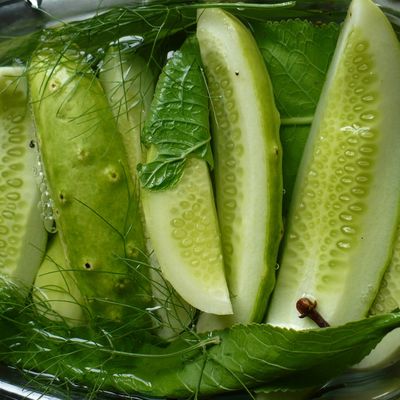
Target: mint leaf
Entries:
(297, 54)
(178, 122)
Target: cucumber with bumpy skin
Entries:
(22, 233)
(95, 203)
(345, 207)
(247, 151)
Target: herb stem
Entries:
(308, 308)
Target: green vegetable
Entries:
(247, 150)
(22, 233)
(95, 204)
(182, 221)
(263, 354)
(345, 204)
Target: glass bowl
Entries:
(18, 20)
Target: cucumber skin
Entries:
(341, 300)
(56, 293)
(249, 300)
(23, 236)
(96, 210)
(129, 85)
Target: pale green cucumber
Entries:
(247, 151)
(184, 232)
(95, 203)
(129, 85)
(22, 234)
(56, 293)
(344, 212)
(387, 351)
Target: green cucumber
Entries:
(247, 151)
(345, 207)
(95, 203)
(22, 233)
(181, 218)
(56, 292)
(183, 228)
(129, 85)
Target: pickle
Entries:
(247, 151)
(95, 203)
(343, 217)
(22, 233)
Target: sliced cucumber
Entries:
(56, 293)
(345, 207)
(22, 234)
(248, 176)
(129, 85)
(183, 228)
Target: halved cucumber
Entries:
(22, 234)
(247, 150)
(56, 292)
(345, 207)
(183, 228)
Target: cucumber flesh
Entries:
(56, 292)
(342, 222)
(22, 234)
(247, 151)
(182, 224)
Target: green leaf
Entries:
(253, 356)
(178, 122)
(297, 54)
